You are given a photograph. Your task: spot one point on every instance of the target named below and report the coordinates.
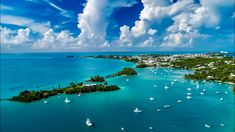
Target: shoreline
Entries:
(140, 61)
(195, 62)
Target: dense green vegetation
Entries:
(190, 63)
(29, 96)
(96, 79)
(219, 69)
(125, 71)
(125, 58)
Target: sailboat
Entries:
(151, 98)
(137, 110)
(67, 100)
(166, 87)
(167, 106)
(79, 94)
(88, 122)
(208, 126)
(198, 85)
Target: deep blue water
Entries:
(109, 111)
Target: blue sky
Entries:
(116, 25)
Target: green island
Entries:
(30, 96)
(210, 67)
(124, 72)
(96, 79)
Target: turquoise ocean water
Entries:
(109, 111)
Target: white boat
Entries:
(122, 129)
(218, 92)
(166, 87)
(198, 85)
(179, 101)
(207, 126)
(127, 80)
(80, 94)
(154, 86)
(222, 125)
(203, 90)
(189, 94)
(158, 110)
(189, 97)
(167, 106)
(189, 89)
(225, 92)
(150, 128)
(151, 98)
(67, 100)
(221, 99)
(202, 93)
(137, 110)
(88, 122)
(45, 102)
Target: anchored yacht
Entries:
(88, 122)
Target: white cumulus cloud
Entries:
(53, 40)
(188, 18)
(14, 37)
(93, 20)
(153, 13)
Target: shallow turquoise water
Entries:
(109, 111)
(45, 71)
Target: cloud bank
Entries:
(162, 24)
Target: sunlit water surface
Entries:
(109, 111)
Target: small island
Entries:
(30, 96)
(96, 79)
(70, 56)
(125, 71)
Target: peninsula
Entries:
(29, 96)
(74, 88)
